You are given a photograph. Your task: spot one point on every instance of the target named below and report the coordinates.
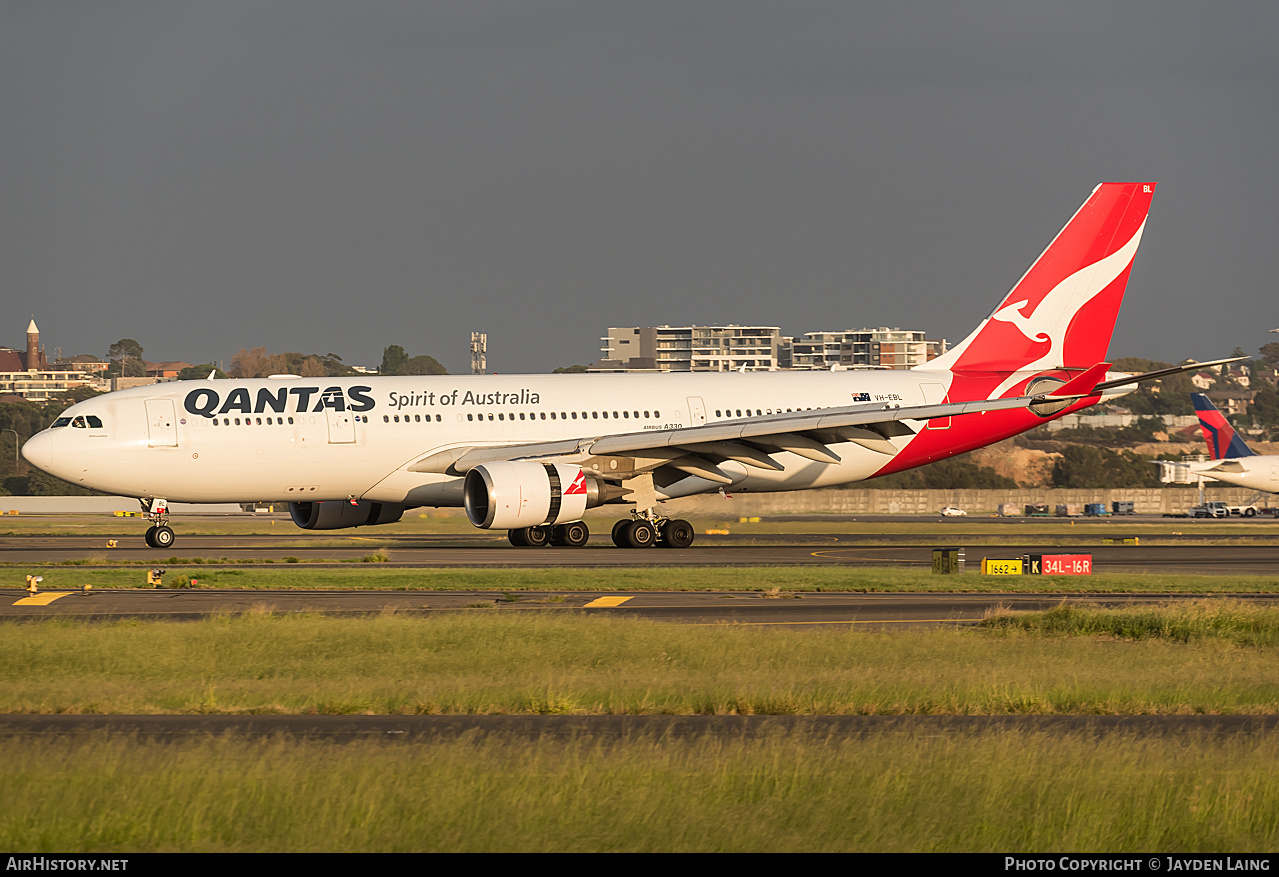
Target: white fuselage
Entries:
(1256, 472)
(336, 438)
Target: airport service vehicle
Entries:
(530, 453)
(951, 512)
(1218, 509)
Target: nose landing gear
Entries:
(156, 510)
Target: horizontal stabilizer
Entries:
(1083, 384)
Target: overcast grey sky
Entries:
(324, 176)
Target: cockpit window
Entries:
(84, 421)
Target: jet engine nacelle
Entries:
(508, 495)
(340, 514)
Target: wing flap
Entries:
(799, 422)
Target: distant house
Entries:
(1266, 374)
(164, 370)
(1232, 401)
(83, 362)
(1239, 376)
(1203, 380)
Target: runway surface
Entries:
(1240, 556)
(753, 608)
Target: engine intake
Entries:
(341, 514)
(507, 495)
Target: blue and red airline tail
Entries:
(1223, 442)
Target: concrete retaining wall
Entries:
(843, 501)
(867, 501)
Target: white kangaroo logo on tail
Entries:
(1051, 317)
(1026, 325)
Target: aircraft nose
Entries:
(39, 450)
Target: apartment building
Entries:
(690, 349)
(865, 348)
(760, 348)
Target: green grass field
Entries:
(375, 576)
(1214, 657)
(891, 792)
(897, 790)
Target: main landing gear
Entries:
(157, 511)
(571, 535)
(643, 532)
(638, 532)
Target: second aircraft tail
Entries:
(1223, 442)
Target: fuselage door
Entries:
(696, 411)
(162, 427)
(341, 427)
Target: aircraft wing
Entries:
(695, 449)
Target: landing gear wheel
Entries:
(619, 534)
(150, 537)
(572, 535)
(517, 537)
(537, 537)
(640, 534)
(677, 534)
(162, 537)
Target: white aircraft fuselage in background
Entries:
(1232, 461)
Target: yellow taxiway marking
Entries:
(606, 602)
(859, 551)
(42, 599)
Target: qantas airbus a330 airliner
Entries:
(530, 453)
